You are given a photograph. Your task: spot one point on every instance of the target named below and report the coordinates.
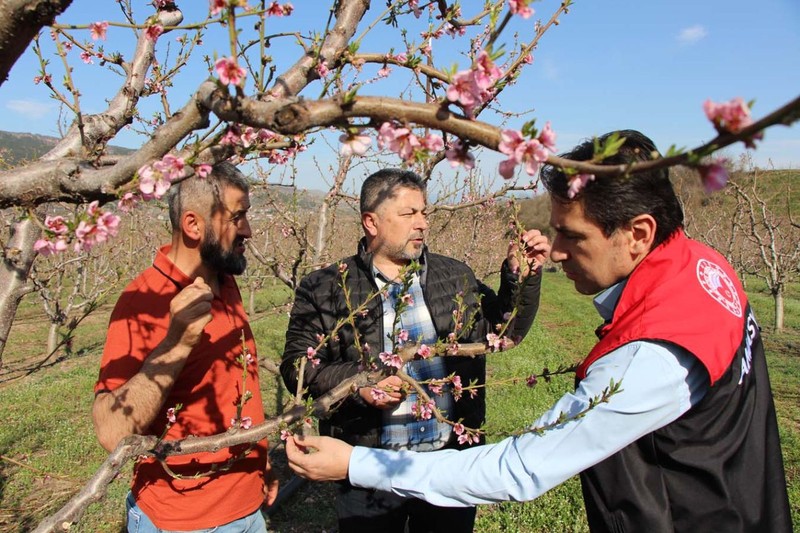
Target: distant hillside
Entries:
(16, 148)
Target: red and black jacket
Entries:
(719, 466)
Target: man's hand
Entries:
(535, 251)
(386, 394)
(318, 458)
(270, 485)
(190, 311)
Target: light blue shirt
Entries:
(660, 382)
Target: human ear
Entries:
(642, 233)
(370, 223)
(192, 225)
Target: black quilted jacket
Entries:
(320, 302)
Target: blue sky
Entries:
(646, 65)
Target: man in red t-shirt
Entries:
(178, 348)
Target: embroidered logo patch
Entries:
(719, 286)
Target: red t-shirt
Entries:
(209, 388)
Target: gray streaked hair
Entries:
(204, 195)
(383, 184)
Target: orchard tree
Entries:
(254, 111)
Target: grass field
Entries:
(48, 449)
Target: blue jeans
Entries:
(138, 522)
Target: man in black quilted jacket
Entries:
(437, 298)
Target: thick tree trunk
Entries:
(21, 21)
(18, 258)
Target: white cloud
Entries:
(692, 34)
(30, 108)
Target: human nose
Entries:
(244, 228)
(557, 251)
(421, 222)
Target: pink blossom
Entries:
(399, 140)
(46, 247)
(424, 351)
(577, 183)
(432, 142)
(152, 184)
(403, 335)
(229, 72)
(548, 137)
(531, 380)
(423, 411)
(171, 167)
(407, 299)
(311, 356)
(285, 434)
(506, 168)
(435, 386)
(528, 59)
(377, 394)
(384, 72)
(56, 224)
(459, 428)
(87, 58)
(464, 91)
(401, 58)
(322, 69)
(458, 154)
(714, 175)
(521, 8)
(217, 5)
(171, 415)
(246, 422)
(485, 71)
(98, 30)
(730, 116)
(276, 10)
(510, 141)
(391, 359)
(203, 170)
(154, 32)
(232, 136)
(493, 341)
(458, 389)
(354, 144)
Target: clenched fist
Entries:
(190, 311)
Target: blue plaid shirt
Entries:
(401, 429)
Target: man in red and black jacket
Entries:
(688, 443)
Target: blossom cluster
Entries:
(311, 355)
(731, 117)
(402, 141)
(496, 343)
(531, 153)
(94, 226)
(466, 435)
(473, 87)
(156, 178)
(423, 410)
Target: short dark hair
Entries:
(612, 201)
(204, 194)
(383, 184)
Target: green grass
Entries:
(49, 450)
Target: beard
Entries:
(405, 252)
(220, 260)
